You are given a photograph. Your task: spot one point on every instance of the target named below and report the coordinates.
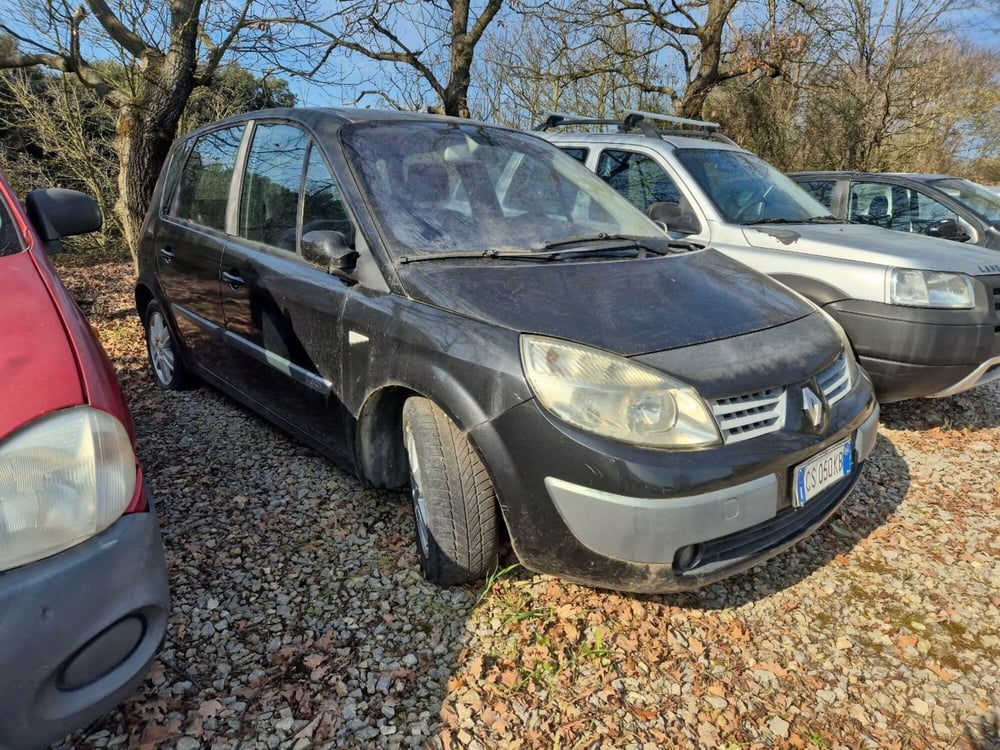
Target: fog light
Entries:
(687, 557)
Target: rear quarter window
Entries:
(821, 190)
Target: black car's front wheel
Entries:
(168, 367)
(454, 504)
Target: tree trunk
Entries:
(146, 129)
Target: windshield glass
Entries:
(447, 187)
(748, 190)
(984, 202)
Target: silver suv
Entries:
(923, 314)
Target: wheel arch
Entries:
(816, 291)
(381, 455)
(143, 296)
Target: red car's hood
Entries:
(39, 370)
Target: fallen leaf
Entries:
(210, 709)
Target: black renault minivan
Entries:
(464, 308)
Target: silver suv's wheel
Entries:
(454, 505)
(168, 368)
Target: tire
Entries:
(165, 360)
(454, 504)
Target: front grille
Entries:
(750, 414)
(835, 380)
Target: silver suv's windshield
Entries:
(446, 188)
(984, 202)
(748, 190)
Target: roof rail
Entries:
(637, 119)
(709, 126)
(560, 119)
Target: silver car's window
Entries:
(748, 190)
(446, 187)
(984, 202)
(638, 177)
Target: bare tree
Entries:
(65, 138)
(888, 88)
(552, 64)
(164, 50)
(428, 45)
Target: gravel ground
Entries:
(300, 618)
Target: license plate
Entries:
(819, 472)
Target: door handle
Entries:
(233, 278)
(167, 253)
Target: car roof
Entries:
(617, 138)
(313, 115)
(915, 176)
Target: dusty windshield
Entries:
(444, 188)
(748, 190)
(984, 202)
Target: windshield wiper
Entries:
(580, 239)
(635, 247)
(474, 255)
(811, 220)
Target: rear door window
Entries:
(637, 177)
(203, 189)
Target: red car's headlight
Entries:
(63, 478)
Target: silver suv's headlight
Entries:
(63, 478)
(612, 396)
(930, 289)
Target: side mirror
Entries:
(328, 248)
(947, 229)
(670, 216)
(57, 212)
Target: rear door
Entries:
(189, 243)
(283, 313)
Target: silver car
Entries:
(923, 314)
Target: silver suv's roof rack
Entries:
(559, 119)
(635, 118)
(638, 120)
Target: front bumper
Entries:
(655, 521)
(914, 352)
(78, 631)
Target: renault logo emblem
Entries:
(812, 406)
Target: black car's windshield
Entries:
(748, 190)
(444, 187)
(984, 202)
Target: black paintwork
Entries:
(330, 355)
(686, 299)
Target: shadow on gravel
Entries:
(882, 487)
(973, 410)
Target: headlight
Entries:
(611, 396)
(930, 289)
(64, 478)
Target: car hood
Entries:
(38, 367)
(625, 306)
(868, 244)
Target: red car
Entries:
(83, 585)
